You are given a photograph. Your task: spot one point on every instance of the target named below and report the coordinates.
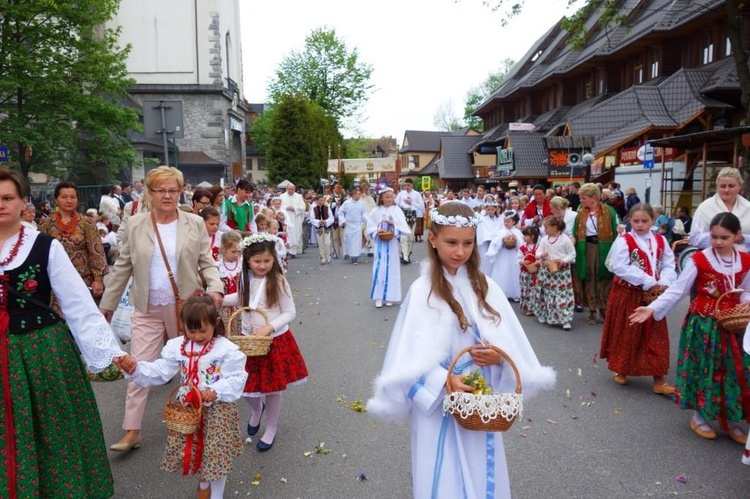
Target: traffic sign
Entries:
(426, 182)
(648, 156)
(4, 154)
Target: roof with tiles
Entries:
(418, 140)
(455, 161)
(557, 57)
(529, 154)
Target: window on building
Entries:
(727, 47)
(654, 69)
(638, 74)
(261, 163)
(587, 90)
(414, 159)
(707, 55)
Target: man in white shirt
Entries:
(468, 200)
(412, 204)
(294, 205)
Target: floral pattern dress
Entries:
(222, 368)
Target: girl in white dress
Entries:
(505, 269)
(486, 232)
(452, 305)
(386, 267)
(216, 367)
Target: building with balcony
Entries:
(188, 51)
(665, 76)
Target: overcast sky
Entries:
(423, 52)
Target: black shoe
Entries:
(263, 447)
(579, 309)
(252, 430)
(369, 254)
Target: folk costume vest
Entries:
(711, 284)
(640, 259)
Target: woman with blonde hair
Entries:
(594, 230)
(561, 210)
(164, 250)
(729, 184)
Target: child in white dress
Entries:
(503, 253)
(486, 232)
(453, 305)
(214, 365)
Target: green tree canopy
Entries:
(328, 74)
(63, 81)
(299, 141)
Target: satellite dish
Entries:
(574, 159)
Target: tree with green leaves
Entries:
(300, 139)
(477, 95)
(63, 83)
(327, 73)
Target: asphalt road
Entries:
(588, 438)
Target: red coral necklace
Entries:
(14, 250)
(67, 229)
(194, 358)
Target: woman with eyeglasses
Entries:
(201, 199)
(156, 244)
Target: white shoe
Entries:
(389, 304)
(328, 261)
(378, 303)
(746, 457)
(566, 326)
(541, 320)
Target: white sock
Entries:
(273, 409)
(699, 419)
(257, 406)
(203, 485)
(217, 488)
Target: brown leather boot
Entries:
(204, 493)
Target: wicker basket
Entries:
(531, 263)
(553, 266)
(735, 318)
(493, 412)
(509, 242)
(652, 294)
(184, 419)
(385, 235)
(252, 346)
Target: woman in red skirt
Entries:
(263, 287)
(641, 261)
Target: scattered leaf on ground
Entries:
(282, 480)
(618, 411)
(358, 406)
(257, 476)
(551, 422)
(307, 453)
(321, 448)
(682, 479)
(580, 372)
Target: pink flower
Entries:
(211, 370)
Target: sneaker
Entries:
(579, 309)
(389, 304)
(566, 326)
(746, 457)
(378, 303)
(541, 320)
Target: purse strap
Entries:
(175, 290)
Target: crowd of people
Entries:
(191, 260)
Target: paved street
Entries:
(588, 438)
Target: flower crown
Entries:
(260, 237)
(455, 220)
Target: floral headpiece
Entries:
(260, 237)
(384, 190)
(455, 220)
(493, 204)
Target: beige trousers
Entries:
(324, 245)
(148, 336)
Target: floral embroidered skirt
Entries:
(528, 292)
(60, 448)
(633, 349)
(706, 369)
(271, 373)
(555, 295)
(221, 443)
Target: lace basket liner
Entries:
(492, 412)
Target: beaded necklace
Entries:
(67, 229)
(14, 250)
(194, 357)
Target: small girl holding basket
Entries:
(643, 265)
(266, 293)
(529, 267)
(450, 307)
(555, 301)
(210, 363)
(711, 374)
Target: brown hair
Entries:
(200, 309)
(645, 208)
(260, 218)
(208, 212)
(275, 278)
(229, 238)
(22, 187)
(440, 285)
(556, 222)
